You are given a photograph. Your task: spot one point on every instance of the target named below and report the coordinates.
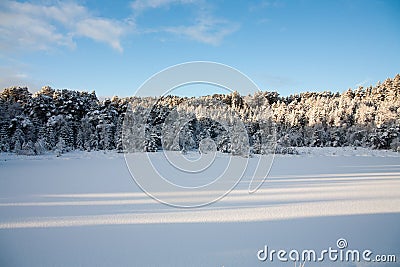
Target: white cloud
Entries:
(23, 26)
(102, 30)
(141, 5)
(11, 77)
(264, 4)
(205, 30)
(41, 27)
(28, 26)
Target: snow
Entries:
(84, 209)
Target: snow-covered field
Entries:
(84, 209)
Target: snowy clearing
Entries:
(84, 209)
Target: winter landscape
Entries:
(69, 197)
(199, 133)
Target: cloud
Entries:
(26, 26)
(41, 27)
(10, 77)
(22, 24)
(101, 30)
(141, 5)
(206, 30)
(264, 4)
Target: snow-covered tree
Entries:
(367, 117)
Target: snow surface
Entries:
(84, 209)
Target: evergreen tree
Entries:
(368, 117)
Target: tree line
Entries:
(63, 120)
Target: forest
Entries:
(62, 120)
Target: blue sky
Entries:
(112, 47)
